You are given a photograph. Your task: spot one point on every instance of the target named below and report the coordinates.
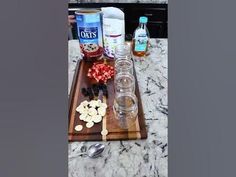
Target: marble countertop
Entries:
(120, 1)
(136, 158)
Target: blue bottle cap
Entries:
(143, 19)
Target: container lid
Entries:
(87, 11)
(143, 19)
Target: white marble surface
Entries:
(136, 158)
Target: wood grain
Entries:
(136, 131)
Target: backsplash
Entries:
(120, 1)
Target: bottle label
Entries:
(89, 28)
(89, 31)
(113, 34)
(88, 34)
(141, 43)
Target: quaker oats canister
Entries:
(89, 27)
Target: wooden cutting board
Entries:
(109, 122)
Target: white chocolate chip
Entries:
(78, 128)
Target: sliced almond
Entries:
(78, 128)
(89, 124)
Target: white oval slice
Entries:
(102, 111)
(78, 128)
(89, 124)
(93, 103)
(97, 119)
(82, 116)
(103, 105)
(80, 108)
(92, 111)
(88, 118)
(104, 132)
(85, 103)
(99, 102)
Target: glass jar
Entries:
(124, 82)
(125, 109)
(123, 51)
(124, 65)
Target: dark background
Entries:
(33, 88)
(157, 17)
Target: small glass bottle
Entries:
(140, 38)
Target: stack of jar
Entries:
(125, 102)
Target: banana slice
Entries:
(89, 124)
(88, 118)
(85, 103)
(93, 103)
(103, 105)
(97, 119)
(92, 111)
(81, 109)
(99, 102)
(102, 111)
(78, 128)
(82, 116)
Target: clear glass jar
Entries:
(124, 65)
(124, 82)
(125, 109)
(123, 51)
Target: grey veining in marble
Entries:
(136, 158)
(120, 1)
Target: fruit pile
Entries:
(93, 91)
(101, 72)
